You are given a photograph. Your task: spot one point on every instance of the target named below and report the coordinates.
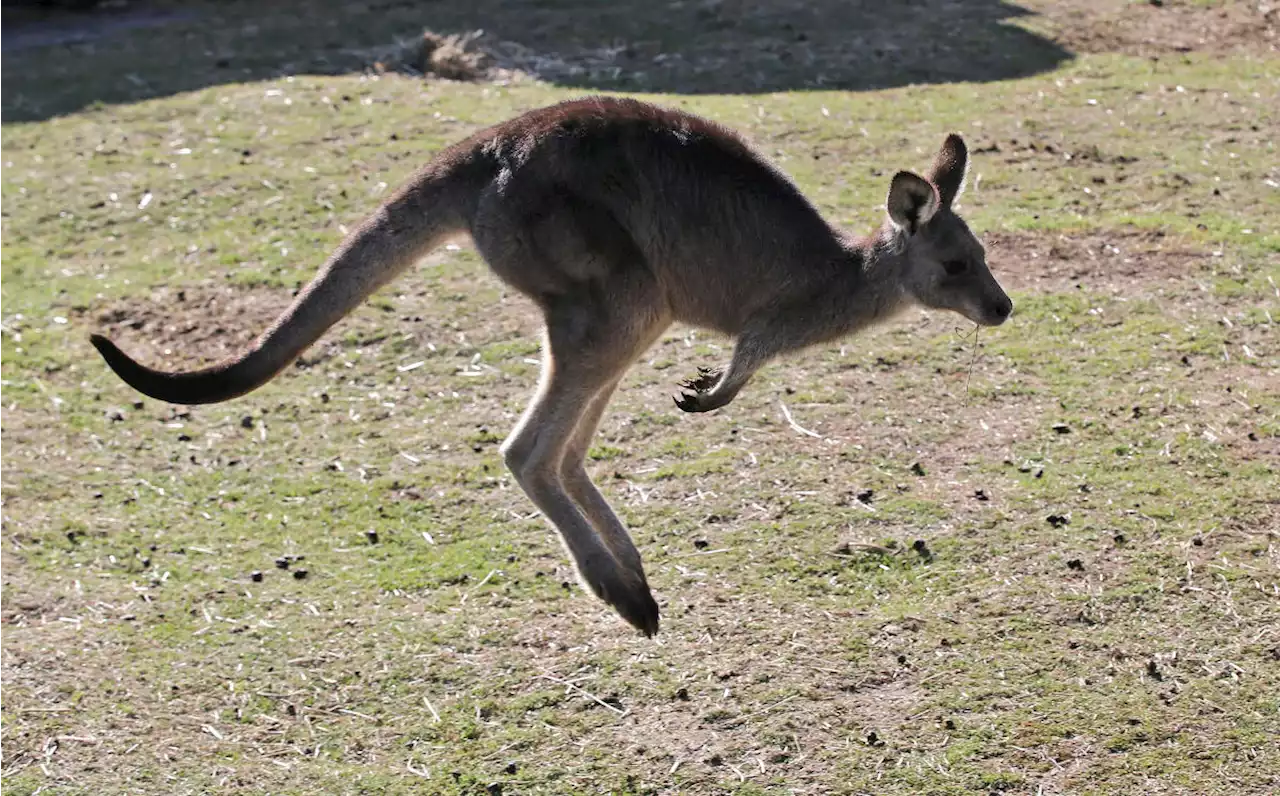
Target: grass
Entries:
(1090, 610)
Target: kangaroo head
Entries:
(943, 264)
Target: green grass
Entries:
(1094, 612)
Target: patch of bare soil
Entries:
(1257, 447)
(885, 705)
(1158, 27)
(753, 688)
(728, 46)
(191, 325)
(1115, 260)
(28, 601)
(1233, 411)
(1081, 26)
(937, 426)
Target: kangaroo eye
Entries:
(954, 267)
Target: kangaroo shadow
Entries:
(58, 62)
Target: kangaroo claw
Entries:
(690, 400)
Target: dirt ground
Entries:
(1163, 28)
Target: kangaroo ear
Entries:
(912, 201)
(948, 170)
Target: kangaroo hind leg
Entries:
(584, 492)
(589, 345)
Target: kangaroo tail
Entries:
(419, 217)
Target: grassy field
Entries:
(1050, 567)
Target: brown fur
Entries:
(619, 218)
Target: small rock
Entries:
(282, 563)
(246, 422)
(950, 724)
(184, 438)
(494, 789)
(1119, 538)
(864, 497)
(1153, 669)
(299, 574)
(1197, 540)
(918, 469)
(921, 547)
(371, 536)
(511, 768)
(115, 415)
(255, 576)
(682, 694)
(1057, 520)
(873, 739)
(701, 544)
(1061, 428)
(981, 495)
(1076, 564)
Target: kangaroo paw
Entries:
(629, 595)
(638, 607)
(692, 398)
(705, 380)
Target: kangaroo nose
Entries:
(1002, 309)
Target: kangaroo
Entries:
(617, 218)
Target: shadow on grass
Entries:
(58, 62)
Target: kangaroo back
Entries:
(428, 210)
